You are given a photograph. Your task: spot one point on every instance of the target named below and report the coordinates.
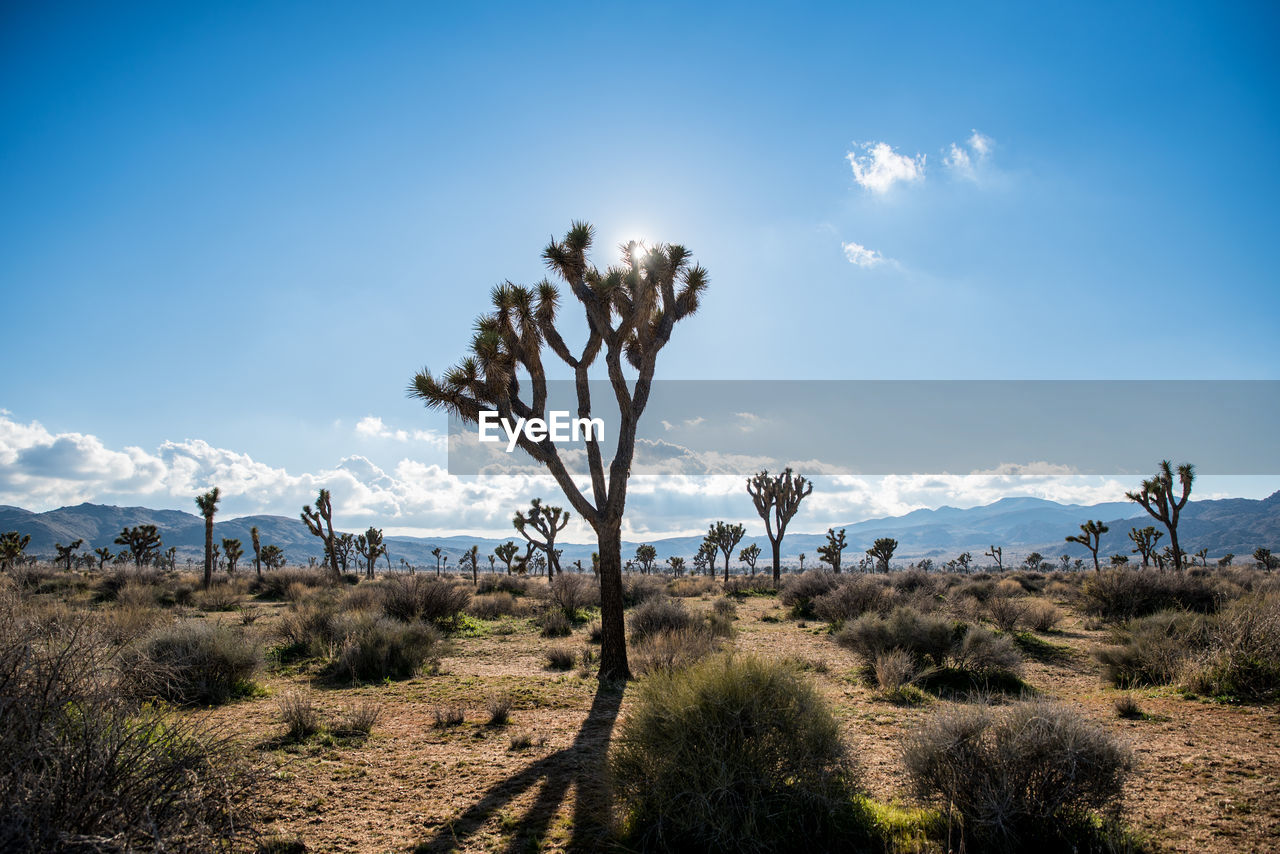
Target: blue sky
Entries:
(230, 233)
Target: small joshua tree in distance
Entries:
(725, 538)
(320, 523)
(749, 556)
(257, 549)
(104, 555)
(233, 551)
(371, 547)
(882, 550)
(507, 553)
(1144, 540)
(646, 555)
(547, 521)
(833, 550)
(67, 553)
(1090, 537)
(996, 553)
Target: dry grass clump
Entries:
(938, 647)
(894, 671)
(691, 586)
(358, 719)
(572, 593)
(749, 585)
(1028, 775)
(560, 658)
(735, 753)
(659, 614)
(446, 717)
(275, 583)
(306, 630)
(672, 649)
(1127, 707)
(1043, 616)
(640, 588)
(373, 648)
(410, 598)
(499, 708)
(194, 663)
(299, 714)
(491, 606)
(1005, 612)
(555, 624)
(725, 607)
(225, 596)
(850, 599)
(494, 583)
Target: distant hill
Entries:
(1019, 525)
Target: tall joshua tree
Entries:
(1090, 537)
(370, 546)
(1145, 541)
(631, 310)
(208, 504)
(777, 500)
(832, 551)
(1157, 498)
(257, 549)
(997, 554)
(547, 521)
(437, 553)
(726, 539)
(320, 523)
(104, 555)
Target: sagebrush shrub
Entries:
(1154, 650)
(984, 653)
(1043, 616)
(799, 591)
(417, 597)
(1026, 775)
(194, 663)
(373, 648)
(1242, 656)
(572, 593)
(491, 606)
(659, 614)
(275, 583)
(927, 638)
(560, 658)
(1121, 594)
(554, 623)
(639, 588)
(735, 753)
(669, 650)
(1005, 612)
(849, 599)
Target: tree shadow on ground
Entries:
(580, 766)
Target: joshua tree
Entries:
(257, 550)
(471, 558)
(1203, 554)
(964, 560)
(208, 504)
(705, 559)
(272, 557)
(371, 547)
(749, 556)
(1226, 559)
(725, 538)
(346, 544)
(677, 565)
(12, 545)
(233, 551)
(1119, 560)
(1090, 537)
(505, 552)
(320, 523)
(996, 553)
(882, 551)
(630, 312)
(67, 553)
(539, 563)
(217, 557)
(646, 555)
(171, 555)
(547, 521)
(143, 543)
(492, 558)
(833, 550)
(777, 500)
(1156, 497)
(104, 555)
(1264, 559)
(802, 557)
(1145, 541)
(1033, 561)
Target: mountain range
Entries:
(1018, 525)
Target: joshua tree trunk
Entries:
(613, 646)
(777, 560)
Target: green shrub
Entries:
(1019, 779)
(925, 637)
(194, 663)
(637, 589)
(669, 650)
(560, 658)
(306, 630)
(374, 648)
(555, 624)
(1154, 649)
(1242, 659)
(274, 584)
(491, 606)
(573, 593)
(850, 599)
(735, 753)
(799, 591)
(986, 654)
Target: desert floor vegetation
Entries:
(422, 714)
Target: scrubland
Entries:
(1127, 710)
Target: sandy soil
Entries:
(1208, 780)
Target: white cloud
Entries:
(879, 167)
(967, 159)
(861, 256)
(372, 427)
